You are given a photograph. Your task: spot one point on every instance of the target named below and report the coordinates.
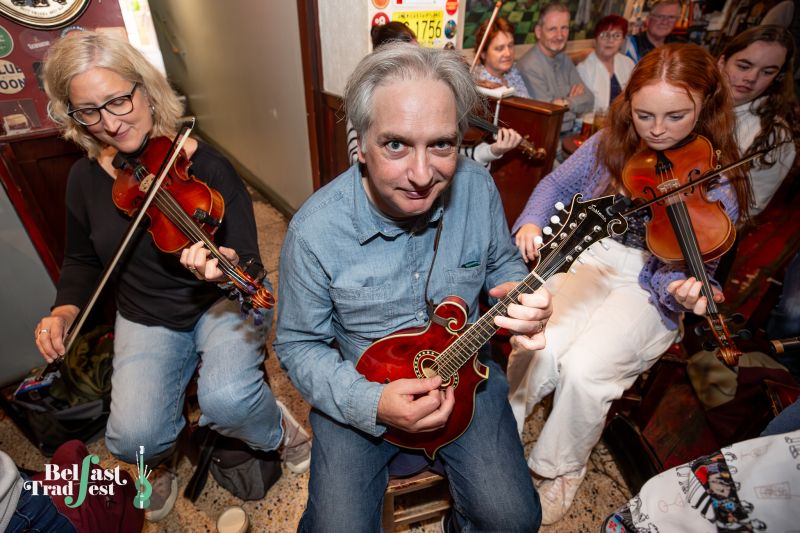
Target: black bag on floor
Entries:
(246, 473)
(76, 404)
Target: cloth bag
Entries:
(76, 404)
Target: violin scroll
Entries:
(527, 147)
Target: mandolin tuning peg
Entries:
(547, 230)
(559, 206)
(537, 241)
(572, 270)
(555, 220)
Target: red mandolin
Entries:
(450, 350)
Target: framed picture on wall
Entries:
(42, 14)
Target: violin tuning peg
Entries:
(708, 346)
(700, 330)
(547, 230)
(744, 334)
(555, 220)
(559, 206)
(737, 319)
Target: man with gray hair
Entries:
(548, 71)
(661, 21)
(366, 256)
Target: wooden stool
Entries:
(419, 497)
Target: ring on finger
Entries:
(43, 330)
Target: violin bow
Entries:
(479, 50)
(75, 328)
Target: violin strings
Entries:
(692, 255)
(687, 237)
(167, 204)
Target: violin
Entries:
(685, 226)
(527, 147)
(173, 205)
(171, 225)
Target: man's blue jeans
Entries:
(489, 480)
(153, 366)
(38, 513)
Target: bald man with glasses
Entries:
(660, 23)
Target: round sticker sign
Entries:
(380, 19)
(451, 6)
(6, 42)
(12, 79)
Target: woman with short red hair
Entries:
(606, 71)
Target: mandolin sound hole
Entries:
(424, 368)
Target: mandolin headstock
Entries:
(585, 223)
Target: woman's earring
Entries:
(152, 109)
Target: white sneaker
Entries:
(556, 495)
(165, 491)
(296, 446)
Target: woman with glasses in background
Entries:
(606, 71)
(171, 314)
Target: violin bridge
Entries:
(144, 184)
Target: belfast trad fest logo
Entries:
(90, 481)
(61, 480)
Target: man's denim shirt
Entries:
(350, 275)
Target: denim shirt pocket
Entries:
(466, 282)
(366, 311)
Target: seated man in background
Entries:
(660, 22)
(368, 255)
(549, 72)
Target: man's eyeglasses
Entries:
(119, 106)
(615, 35)
(664, 18)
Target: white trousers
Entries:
(603, 333)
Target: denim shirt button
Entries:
(416, 275)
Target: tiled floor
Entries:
(602, 491)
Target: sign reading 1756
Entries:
(427, 25)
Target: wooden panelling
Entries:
(334, 143)
(34, 172)
(515, 174)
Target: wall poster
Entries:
(435, 22)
